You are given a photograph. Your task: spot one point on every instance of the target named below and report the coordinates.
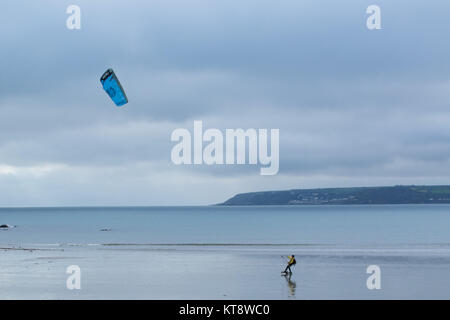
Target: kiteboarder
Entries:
(291, 262)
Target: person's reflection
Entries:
(291, 285)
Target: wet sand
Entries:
(222, 272)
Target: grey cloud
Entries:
(354, 107)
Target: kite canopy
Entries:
(113, 88)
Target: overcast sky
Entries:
(354, 107)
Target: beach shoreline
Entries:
(222, 272)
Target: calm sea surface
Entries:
(379, 225)
(226, 252)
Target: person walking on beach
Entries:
(291, 262)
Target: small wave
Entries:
(216, 244)
(30, 249)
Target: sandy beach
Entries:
(222, 272)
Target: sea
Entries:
(375, 225)
(217, 252)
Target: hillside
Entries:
(358, 195)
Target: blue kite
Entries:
(113, 88)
